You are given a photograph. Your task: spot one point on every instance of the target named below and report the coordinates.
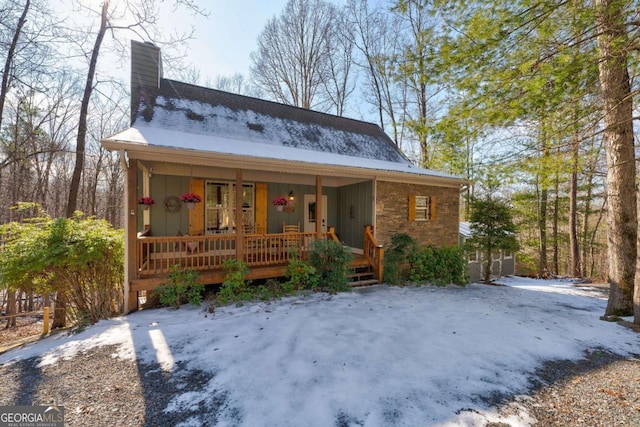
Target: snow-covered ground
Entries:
(379, 356)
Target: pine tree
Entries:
(492, 228)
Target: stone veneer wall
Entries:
(392, 214)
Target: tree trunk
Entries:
(622, 221)
(59, 312)
(543, 266)
(556, 215)
(11, 308)
(636, 294)
(4, 86)
(74, 187)
(574, 268)
(489, 261)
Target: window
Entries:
(473, 256)
(220, 206)
(421, 208)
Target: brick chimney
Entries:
(146, 71)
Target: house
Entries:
(343, 179)
(504, 263)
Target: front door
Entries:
(310, 213)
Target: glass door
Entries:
(220, 207)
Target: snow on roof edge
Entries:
(228, 145)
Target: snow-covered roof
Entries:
(187, 117)
(195, 110)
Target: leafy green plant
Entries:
(301, 275)
(396, 258)
(182, 288)
(332, 262)
(439, 266)
(80, 259)
(235, 287)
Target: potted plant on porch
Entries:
(190, 199)
(280, 202)
(146, 202)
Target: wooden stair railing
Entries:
(373, 252)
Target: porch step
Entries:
(360, 277)
(361, 273)
(368, 282)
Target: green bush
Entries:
(396, 258)
(80, 259)
(301, 275)
(182, 288)
(439, 266)
(332, 262)
(235, 288)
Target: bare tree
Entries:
(338, 83)
(414, 69)
(237, 83)
(291, 63)
(378, 39)
(113, 19)
(84, 108)
(4, 85)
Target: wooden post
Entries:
(239, 227)
(131, 227)
(45, 327)
(380, 259)
(319, 206)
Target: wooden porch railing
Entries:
(157, 255)
(373, 252)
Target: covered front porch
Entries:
(236, 220)
(267, 255)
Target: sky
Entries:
(225, 39)
(376, 356)
(222, 41)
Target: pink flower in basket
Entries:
(148, 201)
(280, 201)
(191, 198)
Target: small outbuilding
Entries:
(504, 263)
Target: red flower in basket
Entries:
(191, 198)
(280, 201)
(148, 201)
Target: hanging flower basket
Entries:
(279, 202)
(190, 199)
(146, 202)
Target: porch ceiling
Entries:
(227, 173)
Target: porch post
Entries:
(131, 226)
(239, 227)
(319, 206)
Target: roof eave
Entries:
(147, 152)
